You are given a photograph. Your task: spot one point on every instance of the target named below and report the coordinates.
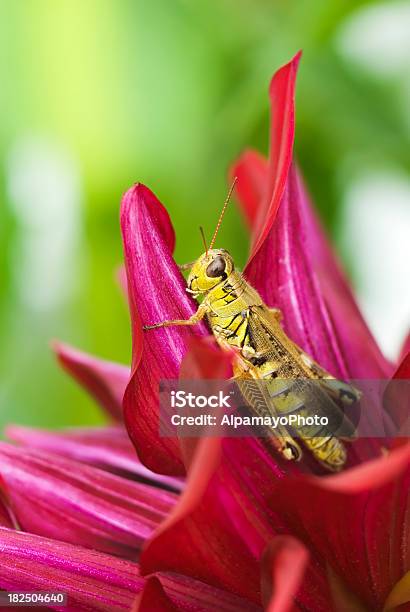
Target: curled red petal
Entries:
(63, 499)
(91, 580)
(283, 567)
(156, 291)
(104, 380)
(196, 528)
(189, 594)
(282, 94)
(169, 592)
(153, 597)
(291, 263)
(106, 447)
(357, 521)
(221, 524)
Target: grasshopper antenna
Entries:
(221, 216)
(201, 229)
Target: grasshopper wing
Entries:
(297, 385)
(256, 395)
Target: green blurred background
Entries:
(99, 94)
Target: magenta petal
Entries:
(66, 500)
(357, 521)
(104, 380)
(92, 580)
(283, 567)
(105, 447)
(296, 271)
(156, 293)
(282, 132)
(291, 263)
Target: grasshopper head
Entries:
(212, 268)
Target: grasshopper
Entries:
(240, 320)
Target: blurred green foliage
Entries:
(168, 93)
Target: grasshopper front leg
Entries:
(193, 320)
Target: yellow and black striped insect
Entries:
(292, 382)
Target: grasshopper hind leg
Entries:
(279, 439)
(328, 451)
(286, 446)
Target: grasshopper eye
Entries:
(216, 267)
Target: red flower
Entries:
(292, 266)
(248, 529)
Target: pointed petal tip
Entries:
(59, 349)
(283, 566)
(296, 58)
(172, 593)
(153, 597)
(12, 430)
(105, 381)
(252, 168)
(291, 66)
(108, 448)
(282, 132)
(140, 200)
(57, 497)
